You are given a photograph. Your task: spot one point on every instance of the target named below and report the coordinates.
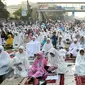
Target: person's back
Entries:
(4, 63)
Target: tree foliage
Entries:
(18, 12)
(3, 12)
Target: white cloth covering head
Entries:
(74, 39)
(23, 59)
(21, 47)
(48, 39)
(4, 61)
(53, 51)
(55, 59)
(80, 64)
(81, 49)
(1, 48)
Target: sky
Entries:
(16, 2)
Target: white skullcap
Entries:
(74, 39)
(81, 48)
(21, 47)
(48, 38)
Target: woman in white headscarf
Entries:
(47, 46)
(21, 63)
(33, 47)
(54, 59)
(74, 47)
(80, 63)
(4, 63)
(40, 37)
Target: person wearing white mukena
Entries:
(47, 46)
(74, 47)
(55, 59)
(4, 64)
(21, 63)
(80, 63)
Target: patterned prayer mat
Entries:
(80, 80)
(52, 82)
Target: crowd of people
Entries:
(49, 44)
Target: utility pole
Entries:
(27, 5)
(28, 8)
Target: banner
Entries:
(24, 12)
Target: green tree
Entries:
(3, 12)
(17, 13)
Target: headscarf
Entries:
(74, 39)
(56, 60)
(4, 60)
(1, 48)
(21, 47)
(53, 51)
(41, 55)
(80, 63)
(40, 61)
(9, 40)
(48, 39)
(79, 56)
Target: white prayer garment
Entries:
(23, 59)
(67, 36)
(47, 46)
(60, 42)
(33, 47)
(80, 64)
(62, 53)
(40, 37)
(4, 61)
(54, 59)
(73, 49)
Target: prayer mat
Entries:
(67, 59)
(9, 51)
(62, 79)
(53, 82)
(80, 80)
